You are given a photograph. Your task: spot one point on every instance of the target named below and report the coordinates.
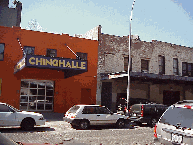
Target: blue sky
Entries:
(164, 20)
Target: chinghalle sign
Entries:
(58, 63)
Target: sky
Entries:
(163, 20)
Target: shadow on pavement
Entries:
(103, 127)
(19, 130)
(51, 116)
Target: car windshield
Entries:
(176, 115)
(136, 107)
(73, 109)
(12, 108)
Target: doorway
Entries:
(170, 97)
(106, 94)
(86, 96)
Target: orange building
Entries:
(43, 71)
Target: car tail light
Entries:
(188, 106)
(141, 110)
(130, 109)
(73, 116)
(155, 133)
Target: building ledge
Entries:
(145, 76)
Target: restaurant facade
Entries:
(43, 71)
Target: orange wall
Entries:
(67, 91)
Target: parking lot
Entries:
(60, 132)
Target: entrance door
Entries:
(86, 96)
(106, 94)
(7, 118)
(170, 97)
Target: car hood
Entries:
(30, 113)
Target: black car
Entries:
(146, 113)
(132, 101)
(122, 104)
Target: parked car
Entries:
(40, 104)
(83, 116)
(185, 102)
(122, 104)
(146, 113)
(175, 126)
(133, 101)
(10, 116)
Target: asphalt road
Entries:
(60, 132)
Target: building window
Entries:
(161, 61)
(51, 53)
(187, 69)
(28, 50)
(184, 69)
(126, 61)
(190, 69)
(1, 51)
(36, 95)
(145, 66)
(81, 56)
(175, 66)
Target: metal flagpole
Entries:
(72, 51)
(129, 60)
(21, 47)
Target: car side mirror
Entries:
(11, 110)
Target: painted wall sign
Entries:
(20, 65)
(55, 63)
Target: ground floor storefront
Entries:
(158, 90)
(37, 89)
(44, 95)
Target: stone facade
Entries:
(111, 52)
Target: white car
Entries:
(10, 116)
(85, 115)
(175, 126)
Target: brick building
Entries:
(161, 72)
(39, 72)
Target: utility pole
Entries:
(129, 60)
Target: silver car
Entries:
(83, 116)
(175, 125)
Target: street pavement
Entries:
(56, 131)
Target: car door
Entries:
(7, 117)
(89, 112)
(104, 116)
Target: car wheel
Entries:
(74, 126)
(152, 122)
(27, 124)
(120, 123)
(84, 124)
